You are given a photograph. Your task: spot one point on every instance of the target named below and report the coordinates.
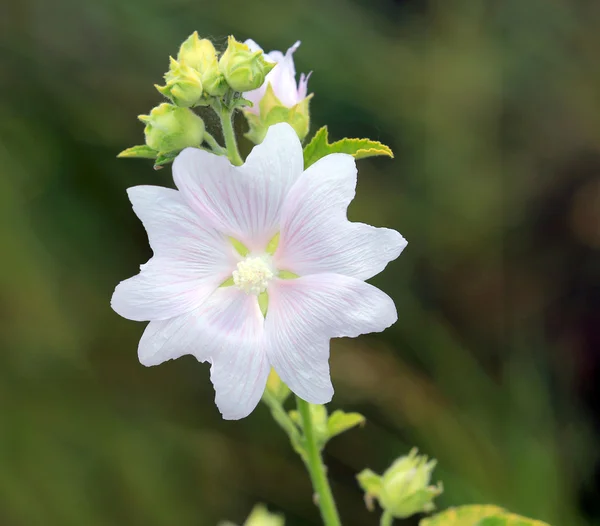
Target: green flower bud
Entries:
(197, 53)
(214, 82)
(276, 388)
(272, 111)
(200, 54)
(184, 85)
(404, 488)
(260, 516)
(243, 69)
(171, 129)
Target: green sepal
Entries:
(273, 111)
(240, 248)
(273, 244)
(339, 422)
(319, 147)
(141, 151)
(164, 158)
(263, 303)
(286, 274)
(228, 282)
(370, 482)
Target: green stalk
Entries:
(226, 117)
(316, 468)
(214, 145)
(386, 519)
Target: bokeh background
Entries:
(493, 111)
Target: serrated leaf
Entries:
(339, 422)
(319, 147)
(142, 151)
(462, 516)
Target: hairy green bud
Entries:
(404, 488)
(171, 129)
(243, 69)
(184, 85)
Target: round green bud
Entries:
(184, 85)
(170, 128)
(243, 69)
(197, 53)
(405, 488)
(214, 82)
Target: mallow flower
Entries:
(282, 79)
(257, 267)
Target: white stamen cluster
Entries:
(253, 275)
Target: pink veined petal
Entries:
(256, 95)
(303, 315)
(164, 288)
(190, 260)
(253, 45)
(243, 202)
(303, 86)
(177, 232)
(317, 238)
(283, 76)
(227, 331)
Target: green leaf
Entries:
(339, 422)
(462, 516)
(509, 519)
(140, 152)
(319, 147)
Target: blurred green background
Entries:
(493, 110)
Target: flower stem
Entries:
(386, 519)
(226, 117)
(316, 468)
(214, 145)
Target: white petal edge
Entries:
(175, 231)
(303, 315)
(227, 331)
(315, 238)
(243, 202)
(163, 289)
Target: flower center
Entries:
(253, 274)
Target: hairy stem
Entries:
(316, 468)
(226, 117)
(214, 145)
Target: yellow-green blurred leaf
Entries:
(462, 516)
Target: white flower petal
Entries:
(305, 313)
(283, 76)
(316, 238)
(163, 289)
(226, 330)
(253, 45)
(243, 202)
(177, 232)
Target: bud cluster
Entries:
(199, 77)
(404, 488)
